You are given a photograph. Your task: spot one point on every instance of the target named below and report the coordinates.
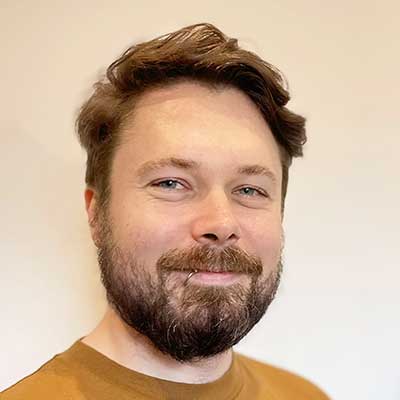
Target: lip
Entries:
(216, 278)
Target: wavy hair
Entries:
(199, 52)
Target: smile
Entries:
(214, 278)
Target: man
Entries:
(189, 144)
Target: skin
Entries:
(221, 131)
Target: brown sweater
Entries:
(82, 373)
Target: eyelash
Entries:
(259, 191)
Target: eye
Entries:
(252, 192)
(169, 184)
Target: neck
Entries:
(124, 345)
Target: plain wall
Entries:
(336, 317)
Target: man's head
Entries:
(189, 144)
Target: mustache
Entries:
(207, 259)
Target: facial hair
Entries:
(184, 320)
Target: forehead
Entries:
(210, 125)
(190, 100)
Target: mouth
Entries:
(213, 278)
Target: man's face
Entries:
(195, 187)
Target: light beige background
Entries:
(336, 318)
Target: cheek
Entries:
(145, 232)
(265, 239)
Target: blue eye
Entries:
(167, 184)
(173, 184)
(252, 192)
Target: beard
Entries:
(182, 319)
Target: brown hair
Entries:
(199, 52)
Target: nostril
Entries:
(211, 236)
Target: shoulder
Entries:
(53, 380)
(282, 383)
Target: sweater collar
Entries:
(104, 368)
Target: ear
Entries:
(92, 211)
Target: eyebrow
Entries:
(256, 169)
(181, 163)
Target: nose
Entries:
(214, 223)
